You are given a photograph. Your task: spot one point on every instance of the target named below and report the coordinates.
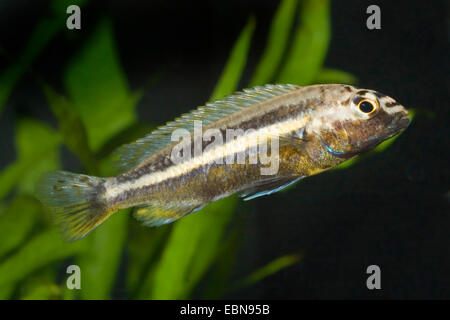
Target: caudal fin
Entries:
(74, 201)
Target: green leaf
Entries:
(6, 291)
(229, 80)
(346, 164)
(335, 76)
(276, 43)
(98, 89)
(40, 251)
(310, 44)
(42, 33)
(193, 242)
(143, 247)
(269, 269)
(36, 148)
(100, 262)
(72, 128)
(217, 283)
(16, 222)
(191, 250)
(48, 291)
(42, 285)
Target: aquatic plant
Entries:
(169, 262)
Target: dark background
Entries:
(391, 209)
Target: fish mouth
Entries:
(404, 122)
(398, 125)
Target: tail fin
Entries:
(74, 201)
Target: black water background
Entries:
(391, 210)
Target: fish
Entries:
(254, 142)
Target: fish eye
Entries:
(366, 106)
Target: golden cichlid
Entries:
(254, 142)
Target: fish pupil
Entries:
(366, 107)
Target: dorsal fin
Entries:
(131, 155)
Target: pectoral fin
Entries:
(268, 187)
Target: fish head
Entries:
(360, 120)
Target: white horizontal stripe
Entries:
(237, 145)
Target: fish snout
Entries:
(402, 119)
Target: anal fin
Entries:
(155, 215)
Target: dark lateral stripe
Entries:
(177, 181)
(391, 104)
(281, 113)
